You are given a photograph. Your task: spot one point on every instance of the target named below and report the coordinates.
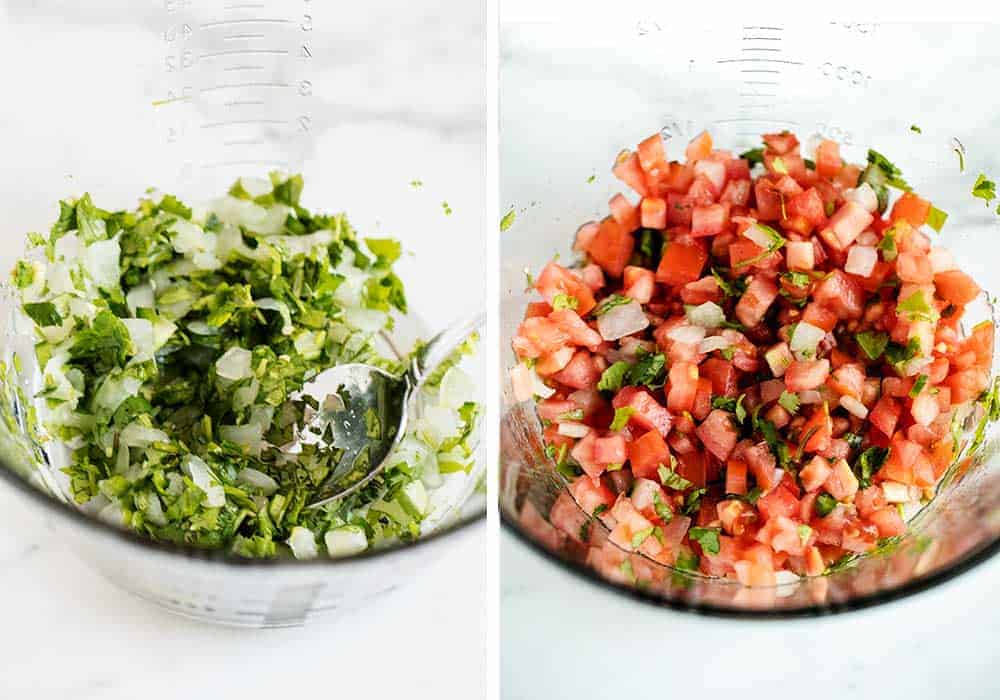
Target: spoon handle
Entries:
(440, 347)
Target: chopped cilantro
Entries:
(591, 179)
(621, 418)
(797, 279)
(805, 532)
(613, 378)
(692, 502)
(777, 242)
(789, 401)
(446, 208)
(611, 302)
(671, 479)
(753, 495)
(640, 537)
(601, 508)
(753, 156)
(893, 175)
(43, 313)
(870, 461)
(778, 165)
(984, 189)
(810, 164)
(733, 405)
(707, 537)
(825, 503)
(575, 414)
(663, 510)
(915, 129)
(917, 307)
(649, 370)
(918, 386)
(888, 245)
(897, 354)
(734, 288)
(564, 301)
(508, 220)
(872, 343)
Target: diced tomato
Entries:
(540, 529)
(555, 280)
(539, 336)
(778, 502)
(842, 294)
(912, 209)
(681, 263)
(700, 147)
(712, 171)
(762, 465)
(639, 284)
(848, 380)
(709, 220)
(815, 473)
(653, 212)
(718, 434)
(768, 201)
(967, 384)
(580, 373)
(628, 170)
(591, 494)
(885, 415)
(736, 192)
(611, 247)
(815, 314)
(803, 375)
(583, 453)
(610, 450)
(828, 162)
(956, 287)
(722, 374)
(700, 291)
(817, 431)
(846, 225)
(652, 155)
(808, 205)
(800, 255)
(914, 268)
(756, 300)
(702, 399)
(647, 412)
(888, 521)
(683, 386)
(578, 332)
(647, 453)
(736, 477)
(841, 483)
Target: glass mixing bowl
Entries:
(188, 95)
(574, 94)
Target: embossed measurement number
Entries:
(854, 76)
(182, 61)
(835, 133)
(177, 32)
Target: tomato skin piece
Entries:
(700, 291)
(842, 294)
(808, 205)
(591, 494)
(819, 428)
(768, 201)
(817, 315)
(736, 477)
(778, 502)
(912, 209)
(762, 465)
(702, 399)
(683, 387)
(538, 336)
(653, 212)
(624, 212)
(555, 279)
(722, 374)
(718, 434)
(736, 192)
(536, 309)
(610, 450)
(611, 247)
(956, 287)
(646, 455)
(967, 384)
(709, 220)
(846, 225)
(628, 170)
(681, 263)
(679, 209)
(888, 521)
(577, 330)
(885, 415)
(828, 161)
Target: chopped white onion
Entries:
(805, 340)
(456, 388)
(573, 430)
(854, 407)
(622, 321)
(916, 366)
(526, 383)
(269, 304)
(713, 343)
(689, 335)
(861, 260)
(201, 475)
(708, 315)
(759, 236)
(810, 396)
(785, 583)
(101, 263)
(140, 331)
(867, 237)
(778, 358)
(248, 436)
(302, 542)
(257, 479)
(138, 435)
(234, 364)
(863, 195)
(345, 541)
(941, 260)
(895, 492)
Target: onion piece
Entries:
(345, 541)
(861, 260)
(854, 407)
(527, 384)
(759, 236)
(810, 396)
(708, 315)
(573, 430)
(302, 542)
(805, 340)
(863, 195)
(257, 479)
(689, 335)
(778, 358)
(622, 321)
(234, 364)
(895, 492)
(941, 260)
(713, 343)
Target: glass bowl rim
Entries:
(217, 557)
(868, 600)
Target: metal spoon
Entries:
(364, 411)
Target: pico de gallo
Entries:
(760, 367)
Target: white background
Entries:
(401, 87)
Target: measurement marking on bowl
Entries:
(760, 60)
(242, 122)
(245, 6)
(236, 68)
(231, 22)
(245, 52)
(771, 29)
(753, 120)
(245, 163)
(761, 82)
(238, 37)
(241, 86)
(244, 142)
(745, 49)
(245, 103)
(761, 70)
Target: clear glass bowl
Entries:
(187, 96)
(573, 95)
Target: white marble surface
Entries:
(565, 638)
(398, 95)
